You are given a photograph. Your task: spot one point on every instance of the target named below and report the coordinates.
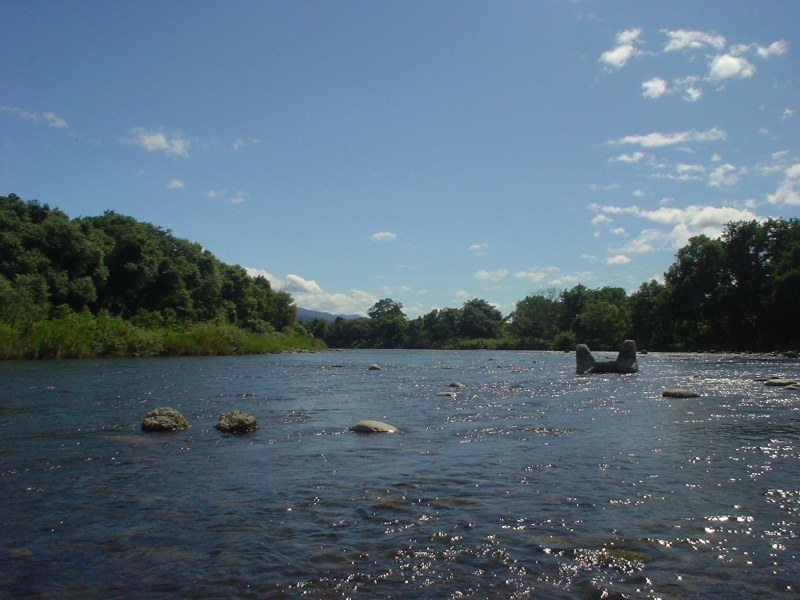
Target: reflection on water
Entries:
(527, 481)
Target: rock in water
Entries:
(780, 382)
(679, 393)
(236, 421)
(625, 362)
(375, 368)
(164, 419)
(373, 427)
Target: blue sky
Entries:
(430, 152)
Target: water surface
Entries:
(531, 482)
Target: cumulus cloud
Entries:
(625, 49)
(497, 275)
(724, 175)
(654, 88)
(788, 192)
(680, 224)
(47, 118)
(618, 259)
(175, 184)
(656, 139)
(172, 144)
(687, 40)
(728, 66)
(383, 236)
(479, 249)
(308, 294)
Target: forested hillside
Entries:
(67, 277)
(738, 292)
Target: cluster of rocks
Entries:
(166, 418)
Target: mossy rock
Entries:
(164, 418)
(236, 421)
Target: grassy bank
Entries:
(81, 335)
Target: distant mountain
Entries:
(304, 315)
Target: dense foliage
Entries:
(739, 292)
(112, 285)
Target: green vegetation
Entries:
(739, 292)
(114, 286)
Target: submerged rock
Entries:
(679, 393)
(236, 421)
(164, 418)
(373, 427)
(457, 384)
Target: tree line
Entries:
(64, 277)
(112, 285)
(738, 292)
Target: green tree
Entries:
(479, 319)
(388, 324)
(535, 319)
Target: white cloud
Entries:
(685, 223)
(724, 175)
(463, 294)
(175, 184)
(656, 139)
(48, 118)
(683, 40)
(237, 198)
(634, 157)
(618, 259)
(535, 275)
(788, 113)
(497, 275)
(788, 192)
(654, 88)
(600, 219)
(774, 49)
(728, 66)
(619, 231)
(383, 236)
(295, 283)
(619, 55)
(174, 144)
(479, 249)
(308, 294)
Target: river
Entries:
(531, 481)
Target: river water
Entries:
(531, 482)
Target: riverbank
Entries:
(86, 336)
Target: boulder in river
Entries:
(780, 382)
(679, 393)
(375, 368)
(164, 418)
(236, 421)
(373, 427)
(624, 363)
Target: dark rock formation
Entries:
(625, 362)
(679, 393)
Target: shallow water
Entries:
(531, 482)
